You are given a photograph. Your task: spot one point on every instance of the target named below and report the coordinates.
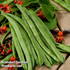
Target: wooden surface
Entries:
(66, 65)
(3, 69)
(63, 18)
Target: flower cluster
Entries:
(3, 29)
(9, 51)
(19, 2)
(6, 9)
(11, 67)
(12, 59)
(2, 53)
(40, 14)
(4, 50)
(59, 38)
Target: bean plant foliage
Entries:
(29, 22)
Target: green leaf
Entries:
(1, 18)
(13, 48)
(55, 7)
(7, 2)
(47, 2)
(63, 4)
(3, 37)
(54, 62)
(48, 12)
(2, 1)
(1, 57)
(66, 1)
(51, 25)
(7, 58)
(28, 2)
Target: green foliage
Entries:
(31, 39)
(51, 25)
(7, 58)
(2, 1)
(47, 2)
(48, 11)
(7, 2)
(28, 2)
(65, 4)
(3, 37)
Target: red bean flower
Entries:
(1, 6)
(13, 58)
(2, 53)
(9, 51)
(9, 44)
(7, 8)
(40, 14)
(3, 29)
(19, 2)
(59, 37)
(60, 33)
(11, 67)
(0, 50)
(2, 45)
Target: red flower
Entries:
(3, 52)
(17, 63)
(54, 35)
(2, 45)
(38, 11)
(0, 50)
(61, 38)
(40, 14)
(9, 51)
(60, 33)
(6, 5)
(3, 29)
(9, 44)
(15, 1)
(7, 8)
(43, 16)
(13, 58)
(11, 68)
(58, 38)
(1, 6)
(19, 2)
